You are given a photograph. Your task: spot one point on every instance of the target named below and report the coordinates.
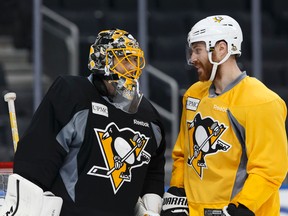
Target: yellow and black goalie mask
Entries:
(117, 57)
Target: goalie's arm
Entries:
(39, 155)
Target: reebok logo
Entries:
(218, 108)
(99, 109)
(141, 123)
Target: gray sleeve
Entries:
(157, 133)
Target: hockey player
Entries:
(230, 157)
(96, 141)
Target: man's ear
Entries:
(222, 48)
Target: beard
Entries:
(204, 71)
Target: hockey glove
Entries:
(148, 205)
(175, 202)
(241, 210)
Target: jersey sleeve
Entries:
(39, 156)
(154, 180)
(177, 178)
(266, 144)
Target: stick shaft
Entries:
(13, 122)
(14, 129)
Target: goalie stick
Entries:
(10, 98)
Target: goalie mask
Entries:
(213, 29)
(116, 57)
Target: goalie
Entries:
(96, 141)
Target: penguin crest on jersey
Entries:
(122, 151)
(204, 139)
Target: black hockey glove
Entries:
(241, 210)
(175, 202)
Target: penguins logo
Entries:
(204, 135)
(122, 150)
(218, 19)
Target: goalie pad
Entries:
(175, 202)
(24, 198)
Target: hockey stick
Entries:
(123, 159)
(96, 170)
(10, 98)
(215, 132)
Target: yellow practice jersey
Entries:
(231, 148)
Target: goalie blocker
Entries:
(25, 198)
(175, 202)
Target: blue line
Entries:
(284, 209)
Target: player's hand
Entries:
(241, 210)
(175, 202)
